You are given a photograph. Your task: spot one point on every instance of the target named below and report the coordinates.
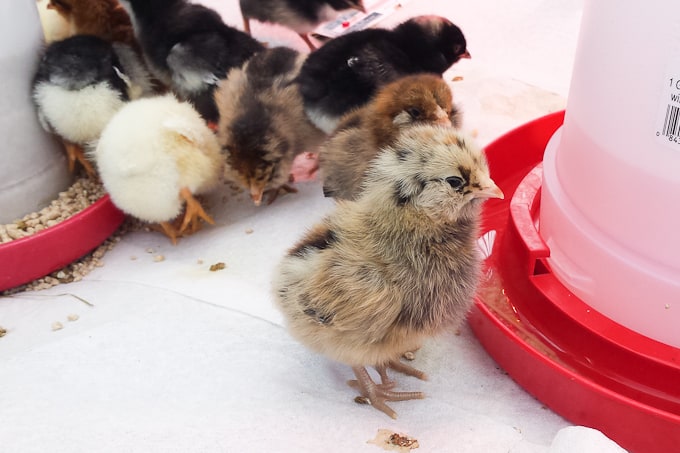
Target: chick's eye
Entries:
(413, 112)
(455, 182)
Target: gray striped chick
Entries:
(262, 124)
(398, 265)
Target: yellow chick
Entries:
(397, 265)
(154, 156)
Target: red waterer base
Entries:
(587, 368)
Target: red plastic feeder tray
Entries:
(581, 364)
(35, 256)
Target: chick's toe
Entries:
(273, 194)
(401, 368)
(378, 394)
(75, 154)
(193, 212)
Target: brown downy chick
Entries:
(105, 19)
(262, 124)
(346, 155)
(398, 265)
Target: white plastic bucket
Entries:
(33, 169)
(610, 203)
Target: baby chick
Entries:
(262, 123)
(394, 267)
(189, 48)
(80, 83)
(362, 133)
(300, 16)
(346, 72)
(103, 18)
(154, 156)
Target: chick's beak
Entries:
(466, 55)
(490, 191)
(442, 118)
(256, 192)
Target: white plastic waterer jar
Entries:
(610, 201)
(33, 169)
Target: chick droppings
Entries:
(249, 231)
(389, 440)
(217, 267)
(3, 331)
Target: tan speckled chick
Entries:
(398, 265)
(262, 124)
(346, 155)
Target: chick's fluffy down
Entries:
(151, 149)
(77, 115)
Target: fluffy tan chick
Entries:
(417, 99)
(262, 124)
(398, 265)
(154, 156)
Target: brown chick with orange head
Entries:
(346, 155)
(394, 267)
(105, 19)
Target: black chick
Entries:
(189, 48)
(301, 16)
(347, 71)
(80, 83)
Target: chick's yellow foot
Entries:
(192, 213)
(170, 231)
(75, 154)
(378, 394)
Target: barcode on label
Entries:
(671, 122)
(668, 114)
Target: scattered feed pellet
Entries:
(57, 326)
(72, 317)
(3, 331)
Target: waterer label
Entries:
(668, 123)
